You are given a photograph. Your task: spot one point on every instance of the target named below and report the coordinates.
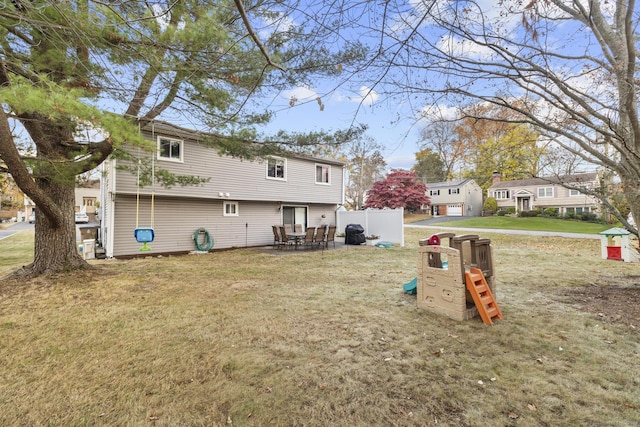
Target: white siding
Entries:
(180, 211)
(177, 219)
(242, 179)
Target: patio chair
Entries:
(321, 231)
(277, 241)
(309, 238)
(330, 237)
(288, 228)
(283, 237)
(298, 228)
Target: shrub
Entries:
(490, 204)
(510, 211)
(569, 215)
(529, 214)
(501, 212)
(588, 216)
(552, 212)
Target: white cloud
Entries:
(366, 96)
(164, 17)
(439, 112)
(459, 48)
(275, 24)
(300, 94)
(400, 161)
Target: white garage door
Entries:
(454, 210)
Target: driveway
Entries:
(12, 228)
(433, 224)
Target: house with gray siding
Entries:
(236, 206)
(547, 192)
(455, 198)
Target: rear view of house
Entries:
(236, 206)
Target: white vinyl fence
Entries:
(386, 223)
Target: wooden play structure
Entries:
(456, 277)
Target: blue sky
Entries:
(393, 123)
(389, 125)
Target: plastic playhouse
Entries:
(616, 245)
(456, 277)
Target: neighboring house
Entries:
(543, 193)
(11, 200)
(236, 207)
(455, 198)
(87, 200)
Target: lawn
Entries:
(533, 224)
(256, 338)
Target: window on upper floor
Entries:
(170, 149)
(434, 192)
(323, 174)
(575, 193)
(230, 209)
(545, 192)
(454, 191)
(501, 194)
(276, 168)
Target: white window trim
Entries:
(315, 172)
(545, 192)
(169, 159)
(578, 193)
(503, 194)
(284, 168)
(227, 203)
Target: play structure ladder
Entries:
(482, 296)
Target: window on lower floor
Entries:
(89, 201)
(230, 209)
(578, 211)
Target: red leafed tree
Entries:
(400, 188)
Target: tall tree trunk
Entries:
(55, 246)
(631, 189)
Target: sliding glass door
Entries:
(295, 215)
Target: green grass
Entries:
(16, 251)
(533, 224)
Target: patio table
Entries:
(297, 237)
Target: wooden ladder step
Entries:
(482, 296)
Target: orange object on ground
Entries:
(482, 296)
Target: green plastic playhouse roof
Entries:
(615, 232)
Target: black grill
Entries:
(354, 234)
